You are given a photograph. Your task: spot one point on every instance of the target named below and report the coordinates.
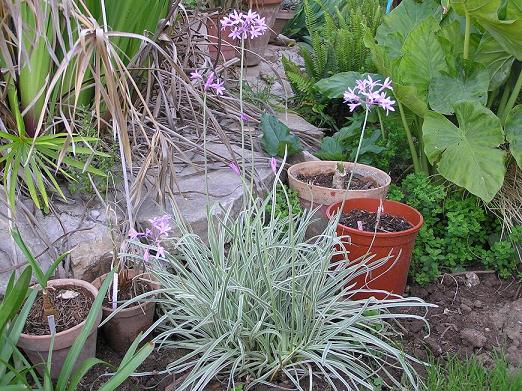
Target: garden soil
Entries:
(477, 313)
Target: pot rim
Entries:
(332, 209)
(133, 308)
(297, 166)
(64, 282)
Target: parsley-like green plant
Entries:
(456, 231)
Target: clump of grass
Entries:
(262, 302)
(471, 375)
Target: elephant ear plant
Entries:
(261, 303)
(17, 373)
(457, 75)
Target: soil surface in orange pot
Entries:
(371, 222)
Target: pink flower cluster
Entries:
(244, 25)
(160, 227)
(369, 93)
(212, 82)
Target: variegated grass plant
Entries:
(260, 302)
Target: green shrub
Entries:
(377, 150)
(456, 232)
(286, 202)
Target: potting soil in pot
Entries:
(359, 182)
(358, 218)
(72, 304)
(128, 291)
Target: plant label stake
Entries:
(115, 291)
(52, 324)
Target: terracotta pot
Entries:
(282, 18)
(221, 45)
(36, 347)
(392, 275)
(256, 48)
(126, 324)
(312, 196)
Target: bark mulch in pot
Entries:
(128, 291)
(72, 304)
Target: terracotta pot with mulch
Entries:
(222, 47)
(35, 339)
(256, 48)
(126, 324)
(310, 181)
(395, 235)
(282, 18)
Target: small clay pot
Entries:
(123, 328)
(393, 274)
(221, 45)
(256, 47)
(282, 18)
(36, 347)
(312, 196)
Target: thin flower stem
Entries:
(413, 151)
(381, 122)
(205, 148)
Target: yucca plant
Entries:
(58, 58)
(261, 302)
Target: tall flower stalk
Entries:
(368, 94)
(242, 26)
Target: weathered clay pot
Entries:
(282, 18)
(221, 45)
(37, 346)
(126, 324)
(312, 196)
(256, 48)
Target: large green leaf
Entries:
(508, 33)
(467, 155)
(398, 24)
(277, 137)
(335, 86)
(513, 129)
(423, 57)
(495, 58)
(331, 149)
(471, 84)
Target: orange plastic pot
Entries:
(392, 275)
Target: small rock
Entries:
(477, 304)
(474, 337)
(95, 214)
(467, 301)
(472, 279)
(465, 307)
